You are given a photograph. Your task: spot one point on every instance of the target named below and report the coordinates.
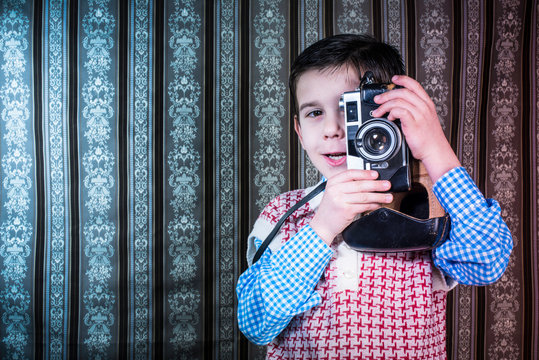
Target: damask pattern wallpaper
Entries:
(140, 140)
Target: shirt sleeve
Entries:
(480, 243)
(281, 285)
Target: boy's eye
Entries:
(314, 113)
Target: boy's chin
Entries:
(333, 170)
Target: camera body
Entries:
(375, 143)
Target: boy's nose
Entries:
(334, 127)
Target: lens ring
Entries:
(377, 140)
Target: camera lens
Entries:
(378, 140)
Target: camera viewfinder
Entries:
(351, 111)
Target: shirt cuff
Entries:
(295, 270)
(457, 193)
(305, 254)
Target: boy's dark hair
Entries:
(359, 51)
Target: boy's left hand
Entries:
(420, 125)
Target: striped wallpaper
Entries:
(140, 139)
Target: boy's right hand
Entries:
(348, 194)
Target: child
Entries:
(310, 295)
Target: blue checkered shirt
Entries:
(281, 284)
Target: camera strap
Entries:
(386, 229)
(283, 218)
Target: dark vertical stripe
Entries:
(481, 305)
(377, 20)
(449, 324)
(158, 180)
(528, 127)
(123, 179)
(533, 131)
(209, 326)
(453, 130)
(480, 320)
(243, 142)
(481, 308)
(74, 243)
(485, 86)
(40, 173)
(293, 150)
(454, 121)
(411, 38)
(328, 11)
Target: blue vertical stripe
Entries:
(226, 178)
(132, 181)
(217, 168)
(183, 181)
(150, 176)
(67, 231)
(310, 31)
(47, 179)
(55, 143)
(140, 179)
(17, 209)
(269, 96)
(99, 189)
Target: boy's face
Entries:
(320, 122)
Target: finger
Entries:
(353, 175)
(403, 93)
(398, 106)
(363, 186)
(404, 115)
(415, 95)
(369, 198)
(412, 85)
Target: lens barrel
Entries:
(377, 140)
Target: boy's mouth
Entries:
(336, 159)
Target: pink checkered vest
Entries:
(374, 306)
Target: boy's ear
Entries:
(297, 127)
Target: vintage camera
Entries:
(375, 143)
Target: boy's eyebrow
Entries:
(308, 104)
